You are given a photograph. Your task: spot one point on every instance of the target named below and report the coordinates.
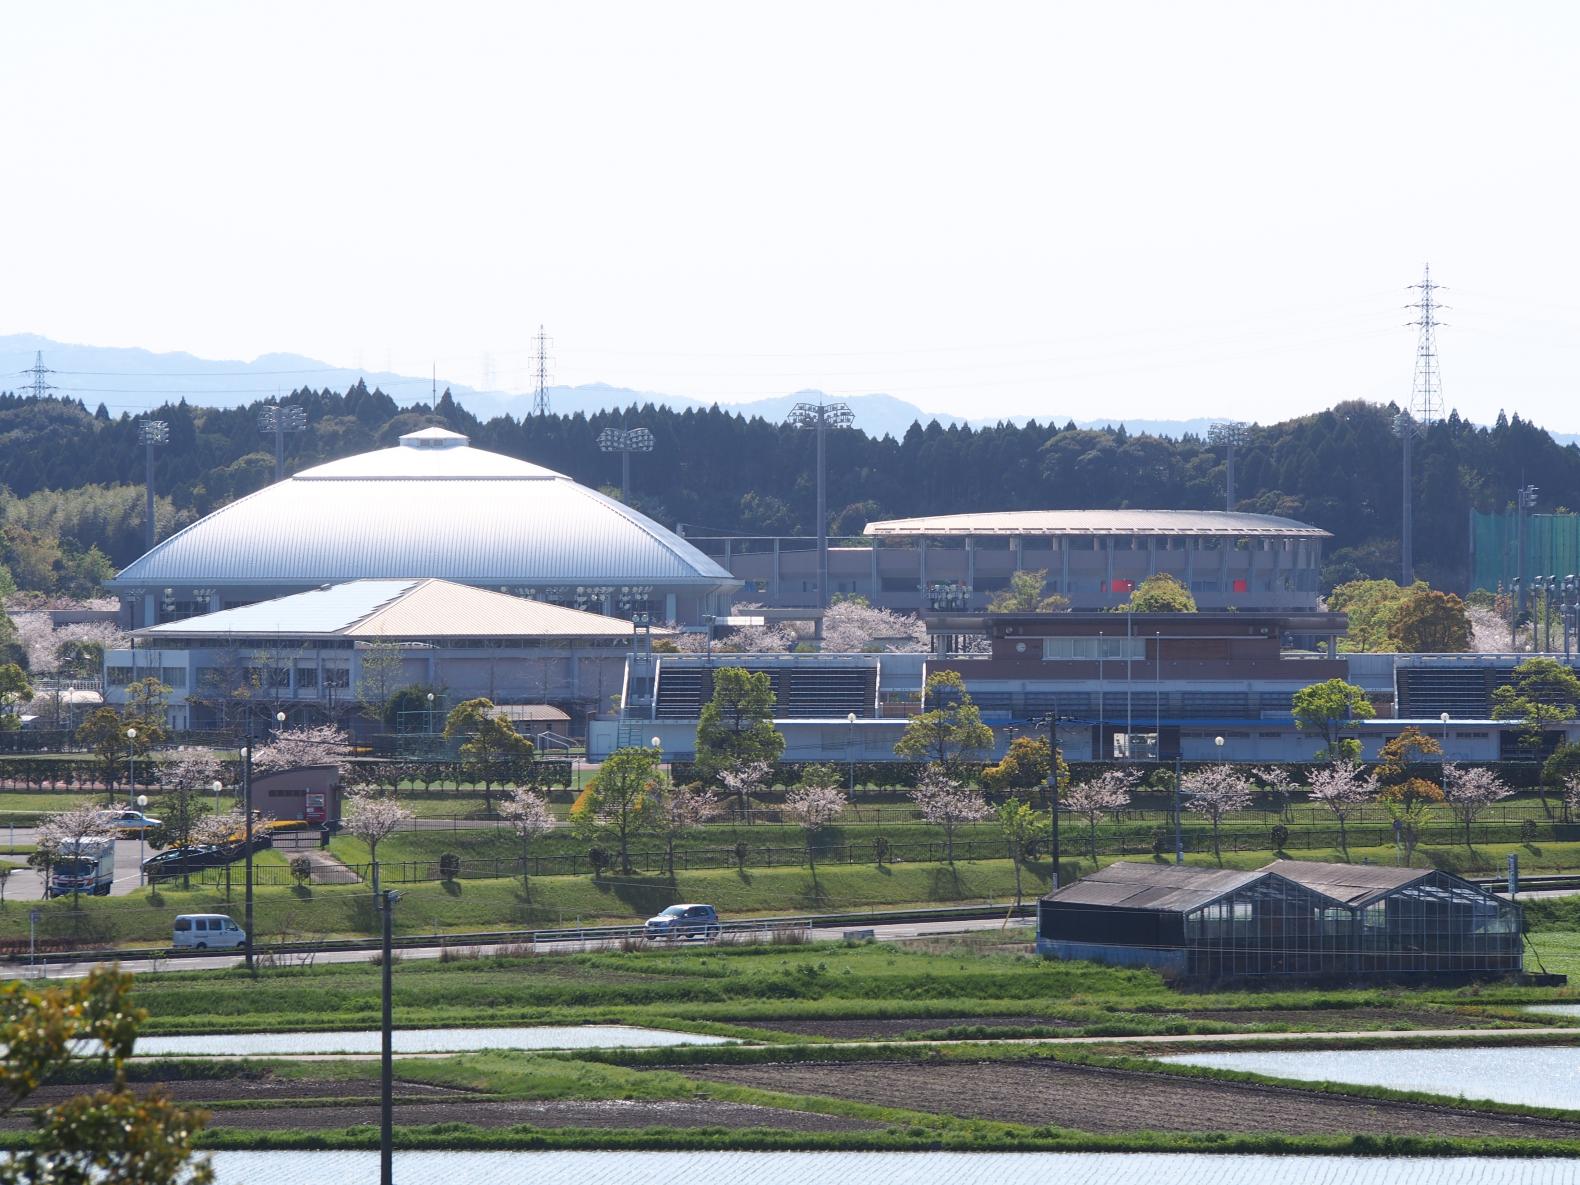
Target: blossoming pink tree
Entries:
(296, 748)
(1469, 790)
(946, 803)
(813, 805)
(1342, 787)
(745, 780)
(527, 812)
(1277, 783)
(1215, 793)
(373, 820)
(680, 809)
(1108, 792)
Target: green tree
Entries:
(618, 799)
(1160, 593)
(14, 689)
(1017, 823)
(950, 732)
(492, 750)
(1543, 694)
(1427, 621)
(736, 726)
(1371, 606)
(1027, 594)
(112, 1134)
(1326, 709)
(380, 674)
(145, 707)
(1559, 771)
(103, 732)
(1024, 766)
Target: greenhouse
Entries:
(1292, 917)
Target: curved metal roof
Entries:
(431, 507)
(1102, 522)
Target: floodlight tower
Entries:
(819, 417)
(625, 441)
(1231, 434)
(1406, 429)
(281, 418)
(152, 432)
(1524, 503)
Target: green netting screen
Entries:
(1552, 547)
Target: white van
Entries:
(206, 931)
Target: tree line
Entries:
(716, 471)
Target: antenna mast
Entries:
(540, 395)
(1426, 393)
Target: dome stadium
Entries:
(432, 506)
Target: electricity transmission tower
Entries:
(1406, 429)
(625, 441)
(152, 432)
(1426, 392)
(281, 418)
(38, 370)
(1230, 434)
(540, 394)
(819, 417)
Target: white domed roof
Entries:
(432, 506)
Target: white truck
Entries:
(85, 865)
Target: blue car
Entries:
(685, 921)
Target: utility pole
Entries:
(819, 417)
(1231, 434)
(152, 432)
(281, 418)
(540, 394)
(1426, 392)
(246, 791)
(388, 898)
(1406, 429)
(1053, 795)
(625, 441)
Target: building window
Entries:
(306, 677)
(173, 677)
(1091, 649)
(338, 677)
(117, 676)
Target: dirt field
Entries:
(859, 1029)
(555, 1113)
(1347, 1019)
(1101, 1100)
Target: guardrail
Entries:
(795, 923)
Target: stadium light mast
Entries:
(1525, 502)
(819, 417)
(1406, 429)
(625, 441)
(151, 432)
(281, 418)
(1230, 434)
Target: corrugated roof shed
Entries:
(1353, 884)
(1171, 887)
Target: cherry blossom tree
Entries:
(1215, 793)
(529, 816)
(373, 820)
(680, 809)
(1108, 792)
(814, 804)
(769, 638)
(1572, 795)
(64, 830)
(296, 748)
(946, 803)
(1275, 780)
(1342, 787)
(745, 780)
(1469, 790)
(853, 626)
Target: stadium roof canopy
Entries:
(392, 610)
(432, 506)
(1102, 522)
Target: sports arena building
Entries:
(1095, 558)
(431, 507)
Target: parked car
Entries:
(685, 921)
(128, 818)
(203, 931)
(180, 861)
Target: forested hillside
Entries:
(72, 506)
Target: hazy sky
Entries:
(1058, 209)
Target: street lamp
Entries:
(142, 835)
(819, 417)
(279, 719)
(430, 714)
(131, 758)
(850, 750)
(217, 787)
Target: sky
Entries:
(1057, 210)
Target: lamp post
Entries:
(217, 786)
(1443, 720)
(142, 836)
(131, 760)
(279, 720)
(1052, 722)
(246, 790)
(430, 714)
(850, 750)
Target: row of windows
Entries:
(174, 677)
(1093, 649)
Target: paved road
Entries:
(1017, 930)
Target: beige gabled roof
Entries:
(395, 610)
